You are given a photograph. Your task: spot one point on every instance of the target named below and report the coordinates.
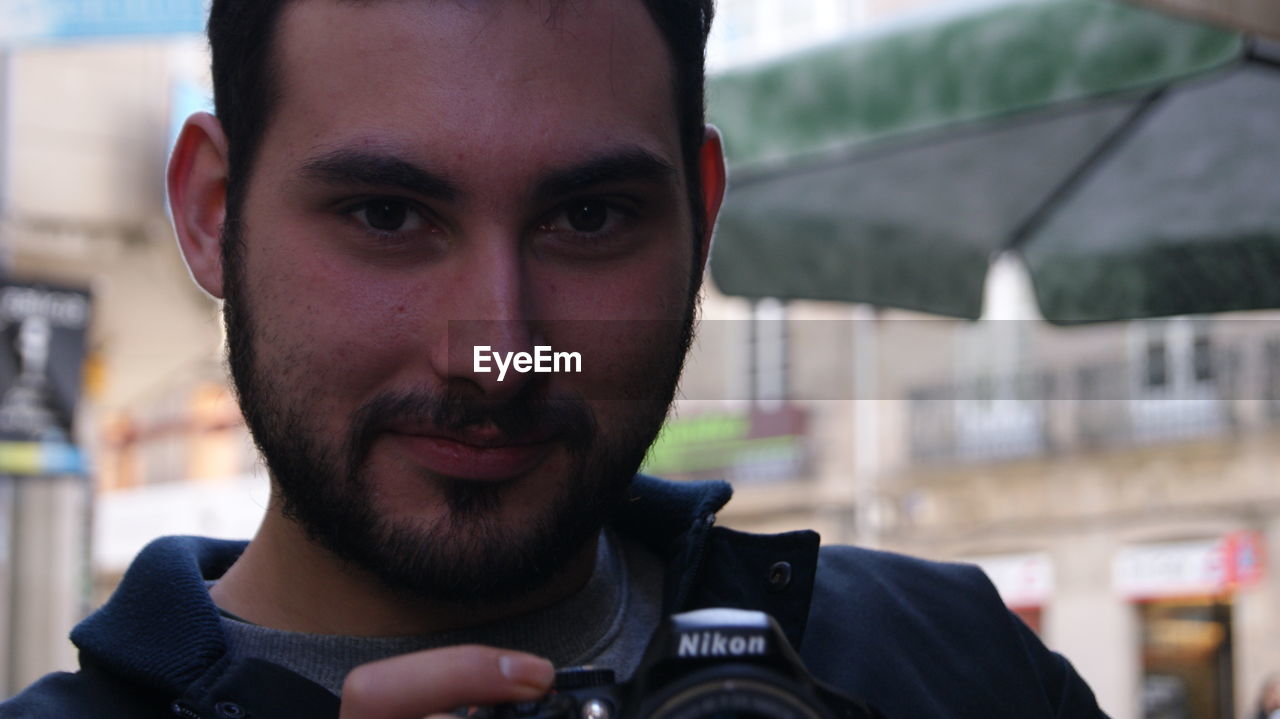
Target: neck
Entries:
(285, 581)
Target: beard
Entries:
(467, 554)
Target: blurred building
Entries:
(87, 126)
(1116, 482)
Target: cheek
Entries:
(333, 333)
(650, 287)
(630, 325)
(625, 359)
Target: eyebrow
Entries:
(379, 170)
(629, 164)
(349, 166)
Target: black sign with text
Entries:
(42, 348)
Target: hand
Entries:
(439, 681)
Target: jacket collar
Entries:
(710, 566)
(160, 628)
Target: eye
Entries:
(388, 214)
(587, 216)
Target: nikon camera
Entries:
(705, 664)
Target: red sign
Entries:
(1245, 560)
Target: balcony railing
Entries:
(987, 418)
(1098, 405)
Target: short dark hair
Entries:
(246, 82)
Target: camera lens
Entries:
(734, 698)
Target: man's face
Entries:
(509, 167)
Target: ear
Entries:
(712, 170)
(197, 182)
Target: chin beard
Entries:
(467, 555)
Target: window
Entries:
(1157, 364)
(1202, 358)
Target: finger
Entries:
(439, 680)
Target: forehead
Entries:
(506, 80)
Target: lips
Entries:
(479, 455)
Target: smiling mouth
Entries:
(477, 456)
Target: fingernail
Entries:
(528, 670)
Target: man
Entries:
(389, 187)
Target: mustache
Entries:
(566, 418)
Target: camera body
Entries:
(704, 664)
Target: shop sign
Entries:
(42, 347)
(1023, 580)
(1190, 568)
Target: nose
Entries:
(491, 335)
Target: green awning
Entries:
(1126, 154)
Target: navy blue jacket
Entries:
(916, 639)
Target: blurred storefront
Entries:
(1184, 596)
